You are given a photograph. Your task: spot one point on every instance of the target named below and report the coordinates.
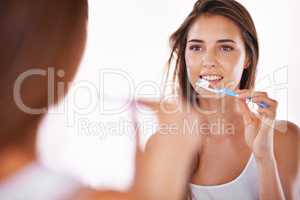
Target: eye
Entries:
(226, 48)
(195, 48)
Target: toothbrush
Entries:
(205, 84)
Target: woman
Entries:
(237, 153)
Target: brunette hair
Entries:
(36, 35)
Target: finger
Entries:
(272, 104)
(241, 91)
(259, 93)
(267, 113)
(246, 94)
(243, 94)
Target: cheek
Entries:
(189, 60)
(234, 66)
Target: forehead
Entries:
(214, 27)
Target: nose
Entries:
(209, 59)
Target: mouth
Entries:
(213, 79)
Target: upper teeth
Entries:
(211, 77)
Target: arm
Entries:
(279, 178)
(259, 136)
(269, 182)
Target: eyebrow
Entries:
(219, 41)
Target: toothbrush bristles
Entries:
(203, 83)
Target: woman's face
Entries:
(215, 51)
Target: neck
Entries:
(221, 114)
(226, 107)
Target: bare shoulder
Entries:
(152, 142)
(287, 152)
(287, 137)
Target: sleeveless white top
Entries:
(244, 187)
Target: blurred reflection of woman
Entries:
(35, 36)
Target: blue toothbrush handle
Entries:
(260, 104)
(229, 92)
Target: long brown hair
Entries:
(36, 35)
(229, 9)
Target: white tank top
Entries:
(244, 187)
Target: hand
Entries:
(259, 128)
